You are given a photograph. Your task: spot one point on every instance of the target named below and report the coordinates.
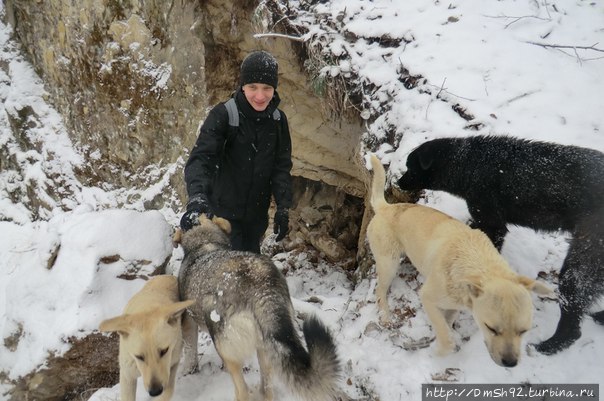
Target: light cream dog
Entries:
(462, 270)
(150, 338)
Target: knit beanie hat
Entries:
(259, 67)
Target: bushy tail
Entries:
(314, 374)
(378, 183)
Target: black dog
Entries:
(540, 185)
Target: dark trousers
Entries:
(246, 235)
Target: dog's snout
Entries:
(155, 390)
(509, 362)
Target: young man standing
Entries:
(242, 157)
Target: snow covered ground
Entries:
(481, 55)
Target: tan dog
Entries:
(150, 338)
(462, 270)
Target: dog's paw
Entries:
(447, 347)
(189, 367)
(557, 342)
(191, 371)
(531, 350)
(257, 393)
(385, 318)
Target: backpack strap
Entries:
(231, 107)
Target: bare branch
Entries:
(547, 9)
(554, 46)
(283, 18)
(578, 57)
(279, 35)
(509, 101)
(516, 19)
(442, 87)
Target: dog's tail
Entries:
(378, 183)
(313, 374)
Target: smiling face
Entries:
(258, 95)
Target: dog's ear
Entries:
(474, 284)
(223, 224)
(535, 286)
(202, 218)
(177, 238)
(118, 324)
(174, 312)
(425, 160)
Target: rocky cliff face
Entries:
(133, 79)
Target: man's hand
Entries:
(197, 205)
(281, 223)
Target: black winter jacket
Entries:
(238, 168)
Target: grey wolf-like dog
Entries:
(243, 300)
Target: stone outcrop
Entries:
(90, 363)
(133, 80)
